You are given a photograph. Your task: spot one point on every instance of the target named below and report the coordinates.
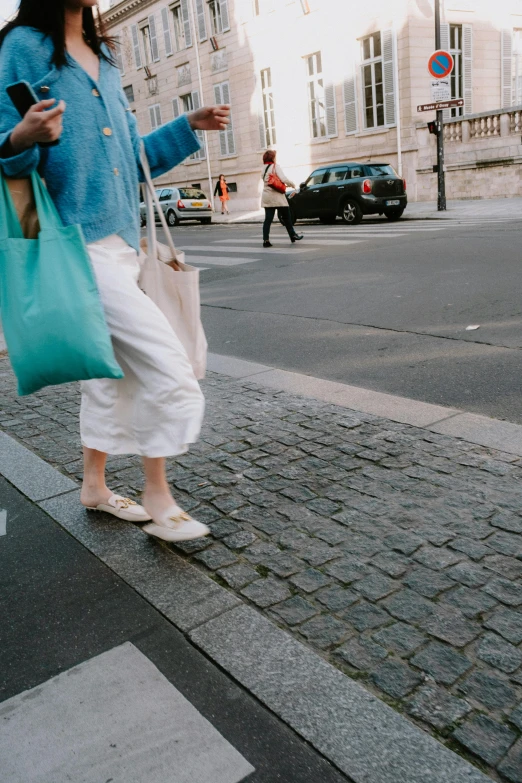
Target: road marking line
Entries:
(325, 241)
(3, 522)
(220, 260)
(230, 249)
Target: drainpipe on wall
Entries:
(397, 101)
(200, 81)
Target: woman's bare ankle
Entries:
(92, 495)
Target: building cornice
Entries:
(124, 10)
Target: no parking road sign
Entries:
(440, 64)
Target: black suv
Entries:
(350, 190)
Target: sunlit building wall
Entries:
(327, 81)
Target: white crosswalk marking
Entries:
(340, 241)
(231, 249)
(219, 260)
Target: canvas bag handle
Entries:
(151, 199)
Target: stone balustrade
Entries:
(476, 127)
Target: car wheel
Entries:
(328, 219)
(172, 218)
(351, 213)
(394, 214)
(205, 221)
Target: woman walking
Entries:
(273, 199)
(222, 191)
(156, 409)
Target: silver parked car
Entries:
(180, 204)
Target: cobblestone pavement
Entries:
(394, 552)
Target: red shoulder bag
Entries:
(274, 181)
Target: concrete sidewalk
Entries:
(348, 549)
(421, 210)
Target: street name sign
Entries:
(440, 90)
(440, 64)
(439, 105)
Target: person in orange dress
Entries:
(222, 191)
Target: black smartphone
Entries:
(23, 97)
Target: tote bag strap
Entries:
(10, 227)
(47, 213)
(151, 199)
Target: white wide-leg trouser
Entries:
(156, 410)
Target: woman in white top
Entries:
(272, 199)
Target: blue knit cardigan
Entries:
(92, 175)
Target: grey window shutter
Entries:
(467, 67)
(388, 63)
(118, 56)
(260, 113)
(262, 131)
(185, 18)
(155, 116)
(350, 103)
(202, 25)
(154, 49)
(445, 44)
(231, 144)
(331, 110)
(507, 68)
(136, 46)
(175, 106)
(196, 103)
(166, 31)
(225, 18)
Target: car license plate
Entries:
(197, 203)
(394, 203)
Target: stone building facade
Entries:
(326, 81)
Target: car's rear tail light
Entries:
(367, 186)
(180, 204)
(404, 184)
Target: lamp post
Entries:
(200, 81)
(441, 180)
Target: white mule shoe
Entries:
(123, 508)
(176, 525)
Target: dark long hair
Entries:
(48, 16)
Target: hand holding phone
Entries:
(41, 124)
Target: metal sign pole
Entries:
(441, 182)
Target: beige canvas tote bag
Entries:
(171, 284)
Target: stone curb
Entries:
(480, 430)
(357, 732)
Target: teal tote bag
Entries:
(51, 311)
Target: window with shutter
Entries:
(388, 61)
(167, 38)
(219, 16)
(136, 46)
(373, 81)
(227, 142)
(154, 49)
(350, 103)
(202, 25)
(155, 116)
(467, 49)
(267, 128)
(316, 95)
(331, 110)
(175, 107)
(185, 18)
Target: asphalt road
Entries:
(382, 306)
